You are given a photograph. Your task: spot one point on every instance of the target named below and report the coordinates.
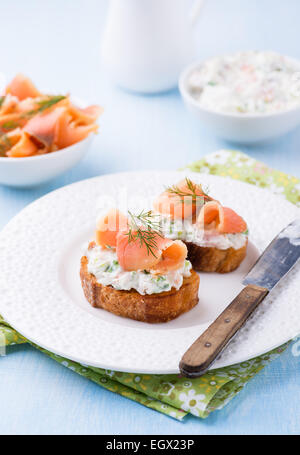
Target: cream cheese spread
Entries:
(104, 265)
(187, 231)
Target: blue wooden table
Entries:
(58, 44)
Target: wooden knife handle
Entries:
(208, 346)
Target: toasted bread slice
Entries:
(160, 307)
(209, 259)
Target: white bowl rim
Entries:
(44, 156)
(186, 94)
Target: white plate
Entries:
(41, 295)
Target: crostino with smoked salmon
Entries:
(216, 236)
(132, 270)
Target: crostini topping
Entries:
(187, 231)
(146, 228)
(187, 188)
(166, 254)
(104, 265)
(224, 220)
(134, 254)
(138, 246)
(172, 257)
(188, 213)
(182, 201)
(109, 226)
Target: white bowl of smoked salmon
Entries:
(41, 135)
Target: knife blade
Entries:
(277, 259)
(274, 264)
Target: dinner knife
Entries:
(273, 265)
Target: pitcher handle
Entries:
(195, 11)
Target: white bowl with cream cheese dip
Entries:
(244, 97)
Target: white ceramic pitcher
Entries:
(146, 43)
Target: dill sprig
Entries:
(145, 227)
(44, 105)
(5, 145)
(10, 125)
(192, 187)
(190, 196)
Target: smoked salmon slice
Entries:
(23, 147)
(181, 201)
(85, 116)
(109, 226)
(172, 258)
(166, 256)
(67, 133)
(134, 254)
(223, 219)
(55, 128)
(158, 254)
(9, 104)
(22, 87)
(44, 126)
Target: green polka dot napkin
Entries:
(175, 395)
